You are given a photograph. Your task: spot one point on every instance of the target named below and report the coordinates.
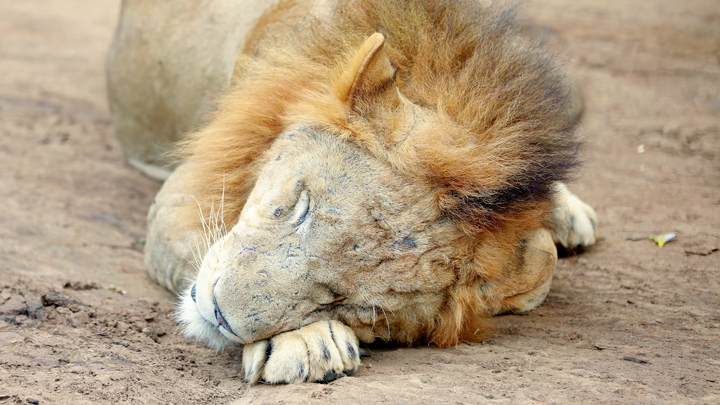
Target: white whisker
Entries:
(213, 229)
(386, 322)
(387, 304)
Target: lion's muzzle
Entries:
(256, 292)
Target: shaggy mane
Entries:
(506, 135)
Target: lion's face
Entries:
(328, 232)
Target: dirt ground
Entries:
(627, 322)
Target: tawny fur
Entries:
(501, 136)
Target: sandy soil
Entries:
(627, 322)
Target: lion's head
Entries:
(385, 180)
(329, 232)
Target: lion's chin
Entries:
(195, 326)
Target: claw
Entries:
(329, 376)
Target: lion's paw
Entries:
(319, 352)
(574, 221)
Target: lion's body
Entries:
(165, 75)
(403, 157)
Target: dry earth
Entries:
(627, 322)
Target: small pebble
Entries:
(63, 310)
(33, 401)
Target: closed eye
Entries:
(301, 208)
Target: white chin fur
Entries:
(195, 326)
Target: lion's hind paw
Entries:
(574, 221)
(319, 352)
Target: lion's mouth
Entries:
(224, 326)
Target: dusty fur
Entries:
(498, 141)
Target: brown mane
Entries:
(508, 136)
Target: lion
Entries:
(375, 170)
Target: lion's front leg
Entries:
(170, 252)
(573, 222)
(319, 352)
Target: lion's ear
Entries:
(369, 77)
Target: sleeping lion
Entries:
(354, 170)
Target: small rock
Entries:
(57, 300)
(122, 326)
(63, 310)
(33, 401)
(15, 305)
(79, 318)
(701, 250)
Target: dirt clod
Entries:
(635, 360)
(57, 300)
(81, 286)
